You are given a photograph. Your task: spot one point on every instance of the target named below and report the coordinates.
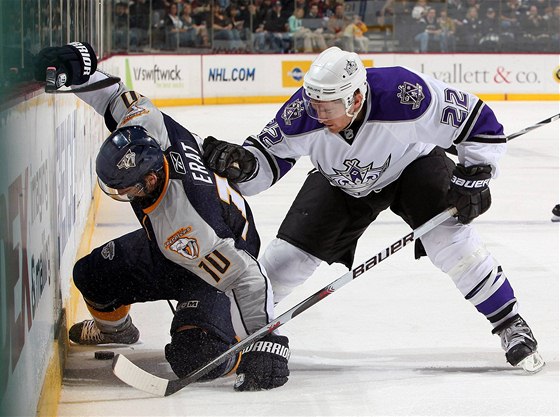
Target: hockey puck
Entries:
(104, 354)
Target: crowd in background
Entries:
(284, 26)
(270, 26)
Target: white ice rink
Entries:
(398, 341)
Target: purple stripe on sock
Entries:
(500, 298)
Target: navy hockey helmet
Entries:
(124, 159)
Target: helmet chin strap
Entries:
(356, 113)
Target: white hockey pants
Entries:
(454, 248)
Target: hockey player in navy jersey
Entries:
(197, 243)
(376, 138)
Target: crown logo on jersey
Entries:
(292, 111)
(411, 94)
(127, 161)
(355, 177)
(351, 67)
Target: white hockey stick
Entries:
(136, 377)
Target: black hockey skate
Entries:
(556, 213)
(520, 345)
(87, 333)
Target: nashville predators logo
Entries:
(134, 111)
(182, 244)
(411, 94)
(127, 161)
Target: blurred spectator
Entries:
(429, 31)
(335, 35)
(245, 21)
(326, 8)
(197, 34)
(399, 14)
(419, 10)
(490, 32)
(553, 28)
(139, 13)
(469, 31)
(202, 12)
(295, 4)
(276, 29)
(159, 11)
(533, 27)
(120, 27)
(509, 18)
(259, 33)
(354, 33)
(224, 35)
(448, 29)
(310, 39)
(456, 9)
(176, 34)
(301, 37)
(313, 12)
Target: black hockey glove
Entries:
(469, 191)
(74, 63)
(229, 160)
(264, 364)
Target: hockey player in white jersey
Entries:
(376, 138)
(197, 243)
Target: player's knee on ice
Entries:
(191, 349)
(201, 330)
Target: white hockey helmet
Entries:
(334, 75)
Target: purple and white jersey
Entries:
(407, 115)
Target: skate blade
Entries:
(532, 363)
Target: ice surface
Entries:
(398, 341)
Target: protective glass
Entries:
(132, 192)
(323, 110)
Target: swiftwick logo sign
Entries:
(157, 74)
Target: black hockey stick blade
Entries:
(136, 377)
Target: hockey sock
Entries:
(109, 321)
(494, 297)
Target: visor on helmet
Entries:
(120, 196)
(324, 110)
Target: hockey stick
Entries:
(536, 125)
(54, 83)
(453, 149)
(136, 377)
